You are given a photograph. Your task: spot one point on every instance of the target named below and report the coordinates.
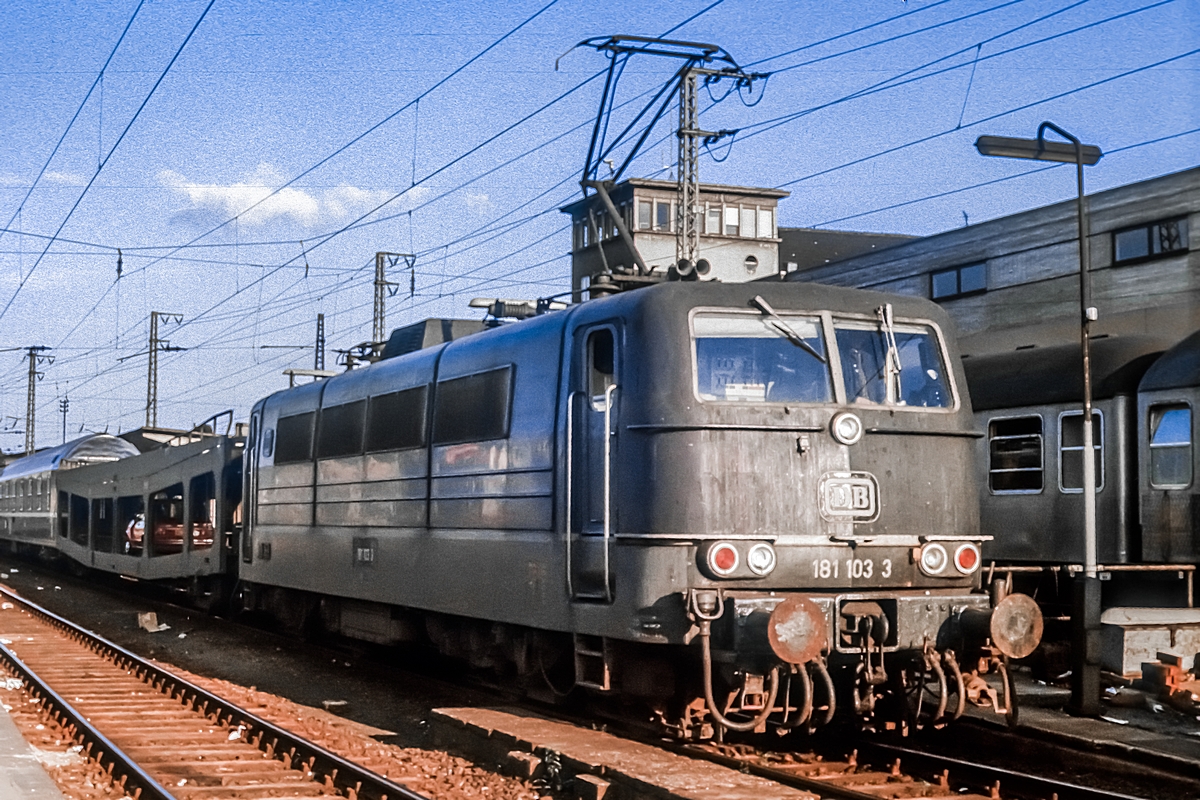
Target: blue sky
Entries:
(896, 92)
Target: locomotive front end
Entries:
(827, 463)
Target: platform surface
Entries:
(21, 774)
(639, 767)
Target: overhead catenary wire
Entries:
(74, 117)
(112, 150)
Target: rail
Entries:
(277, 742)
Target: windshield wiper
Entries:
(892, 366)
(788, 332)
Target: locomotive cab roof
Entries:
(1053, 375)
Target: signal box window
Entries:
(474, 408)
(396, 421)
(1170, 446)
(1149, 241)
(645, 209)
(957, 282)
(295, 434)
(662, 216)
(341, 430)
(1070, 450)
(712, 226)
(1015, 455)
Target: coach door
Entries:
(592, 443)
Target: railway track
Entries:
(158, 735)
(906, 773)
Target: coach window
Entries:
(1070, 450)
(1015, 455)
(1170, 446)
(1150, 241)
(396, 421)
(341, 432)
(202, 510)
(474, 408)
(295, 438)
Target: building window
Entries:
(1015, 455)
(645, 214)
(474, 408)
(1148, 241)
(731, 220)
(951, 283)
(748, 220)
(662, 216)
(766, 224)
(1170, 446)
(1070, 450)
(713, 225)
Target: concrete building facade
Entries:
(1014, 281)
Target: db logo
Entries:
(849, 495)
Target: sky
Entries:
(249, 159)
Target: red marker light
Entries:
(723, 558)
(966, 558)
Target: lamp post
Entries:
(1085, 674)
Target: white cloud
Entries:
(304, 206)
(65, 178)
(477, 203)
(8, 179)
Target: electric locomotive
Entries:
(739, 504)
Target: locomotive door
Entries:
(591, 434)
(250, 487)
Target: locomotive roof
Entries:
(1051, 375)
(1178, 367)
(93, 448)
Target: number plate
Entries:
(849, 496)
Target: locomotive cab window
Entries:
(474, 408)
(1170, 446)
(1070, 450)
(1015, 455)
(753, 358)
(897, 365)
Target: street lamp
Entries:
(1085, 675)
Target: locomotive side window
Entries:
(341, 432)
(474, 408)
(751, 358)
(1015, 448)
(295, 438)
(1170, 445)
(268, 442)
(601, 363)
(1070, 450)
(920, 380)
(396, 421)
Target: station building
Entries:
(1013, 282)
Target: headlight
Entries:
(761, 559)
(846, 427)
(934, 559)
